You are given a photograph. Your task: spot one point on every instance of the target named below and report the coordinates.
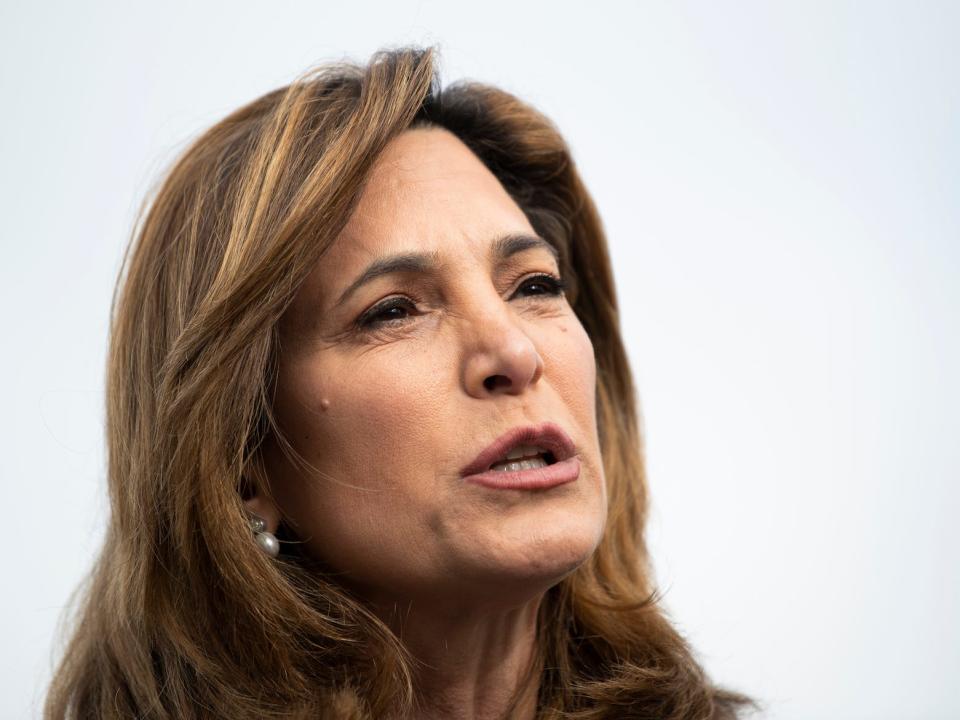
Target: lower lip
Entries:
(560, 473)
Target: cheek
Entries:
(376, 418)
(349, 405)
(388, 404)
(370, 437)
(574, 372)
(575, 377)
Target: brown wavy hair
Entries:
(182, 616)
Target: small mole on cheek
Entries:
(324, 403)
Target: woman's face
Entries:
(392, 386)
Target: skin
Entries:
(387, 415)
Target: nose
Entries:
(501, 358)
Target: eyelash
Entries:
(369, 319)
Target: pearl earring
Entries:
(265, 540)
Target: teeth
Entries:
(524, 451)
(528, 464)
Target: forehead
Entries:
(427, 192)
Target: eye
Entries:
(541, 284)
(389, 311)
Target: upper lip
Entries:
(547, 435)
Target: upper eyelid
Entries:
(516, 281)
(389, 301)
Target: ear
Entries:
(262, 506)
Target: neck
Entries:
(472, 664)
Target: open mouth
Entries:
(542, 447)
(524, 457)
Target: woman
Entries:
(373, 450)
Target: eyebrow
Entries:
(501, 249)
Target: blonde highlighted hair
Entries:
(182, 616)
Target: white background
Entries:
(780, 186)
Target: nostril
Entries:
(494, 381)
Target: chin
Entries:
(525, 559)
